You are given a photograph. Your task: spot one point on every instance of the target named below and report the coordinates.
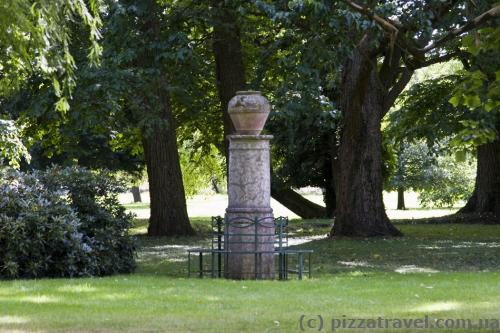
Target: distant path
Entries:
(213, 205)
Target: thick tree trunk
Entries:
(168, 201)
(304, 208)
(166, 190)
(136, 193)
(401, 199)
(360, 206)
(230, 70)
(486, 195)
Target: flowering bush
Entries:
(63, 222)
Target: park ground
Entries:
(443, 271)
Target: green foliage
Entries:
(172, 58)
(303, 126)
(12, 148)
(63, 222)
(448, 182)
(94, 196)
(288, 54)
(201, 169)
(296, 70)
(413, 162)
(39, 232)
(94, 134)
(479, 89)
(424, 113)
(440, 180)
(35, 38)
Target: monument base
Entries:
(249, 239)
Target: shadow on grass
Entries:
(425, 248)
(457, 218)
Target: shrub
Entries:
(63, 222)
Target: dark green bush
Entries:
(63, 222)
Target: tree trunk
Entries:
(330, 200)
(229, 69)
(401, 198)
(215, 184)
(360, 206)
(486, 195)
(304, 208)
(136, 193)
(166, 190)
(168, 201)
(329, 191)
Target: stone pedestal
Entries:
(249, 192)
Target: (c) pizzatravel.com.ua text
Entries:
(320, 323)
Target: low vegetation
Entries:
(63, 222)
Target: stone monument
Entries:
(249, 191)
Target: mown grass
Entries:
(443, 271)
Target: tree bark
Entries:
(360, 206)
(136, 193)
(329, 196)
(486, 195)
(401, 199)
(229, 69)
(168, 200)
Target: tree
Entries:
(448, 181)
(35, 38)
(132, 92)
(138, 45)
(461, 110)
(412, 160)
(201, 168)
(12, 148)
(136, 193)
(302, 126)
(439, 178)
(305, 117)
(486, 196)
(374, 75)
(419, 129)
(93, 134)
(479, 93)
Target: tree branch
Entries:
(437, 60)
(392, 27)
(387, 25)
(486, 16)
(397, 89)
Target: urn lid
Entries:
(248, 92)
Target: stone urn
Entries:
(249, 111)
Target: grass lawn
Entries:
(443, 271)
